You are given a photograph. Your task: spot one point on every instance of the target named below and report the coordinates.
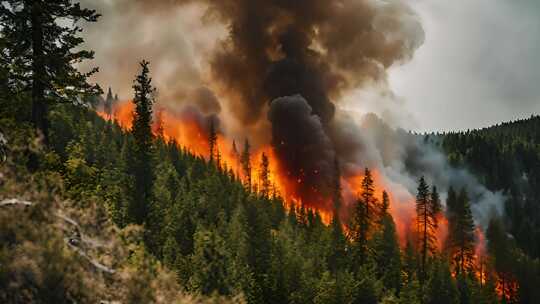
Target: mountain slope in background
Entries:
(506, 157)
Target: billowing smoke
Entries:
(403, 157)
(315, 51)
(280, 68)
(305, 150)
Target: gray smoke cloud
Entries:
(403, 157)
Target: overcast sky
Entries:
(479, 65)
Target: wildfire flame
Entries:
(186, 129)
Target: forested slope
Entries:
(217, 237)
(506, 157)
(92, 212)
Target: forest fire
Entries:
(190, 129)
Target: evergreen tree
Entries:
(461, 233)
(43, 51)
(411, 293)
(209, 263)
(363, 217)
(441, 288)
(410, 262)
(109, 100)
(337, 238)
(241, 277)
(212, 140)
(246, 164)
(435, 202)
(236, 158)
(142, 133)
(386, 254)
(385, 204)
(264, 175)
(426, 220)
(500, 249)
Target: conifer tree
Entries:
(410, 262)
(236, 159)
(109, 103)
(500, 249)
(441, 288)
(209, 262)
(337, 237)
(427, 210)
(436, 207)
(264, 175)
(212, 140)
(461, 233)
(246, 164)
(142, 133)
(386, 254)
(43, 51)
(385, 204)
(363, 217)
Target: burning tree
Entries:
(427, 211)
(363, 217)
(245, 159)
(264, 175)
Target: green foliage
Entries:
(143, 137)
(387, 255)
(40, 53)
(364, 217)
(427, 211)
(440, 287)
(461, 236)
(506, 157)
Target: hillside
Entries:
(203, 225)
(506, 157)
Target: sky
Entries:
(479, 64)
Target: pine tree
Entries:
(337, 237)
(246, 164)
(109, 103)
(363, 217)
(436, 207)
(427, 209)
(209, 260)
(385, 204)
(461, 233)
(236, 158)
(441, 288)
(410, 262)
(212, 140)
(264, 175)
(386, 254)
(500, 250)
(142, 133)
(43, 52)
(241, 277)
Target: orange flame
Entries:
(190, 132)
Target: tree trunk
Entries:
(39, 105)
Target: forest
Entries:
(92, 211)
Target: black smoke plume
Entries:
(313, 50)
